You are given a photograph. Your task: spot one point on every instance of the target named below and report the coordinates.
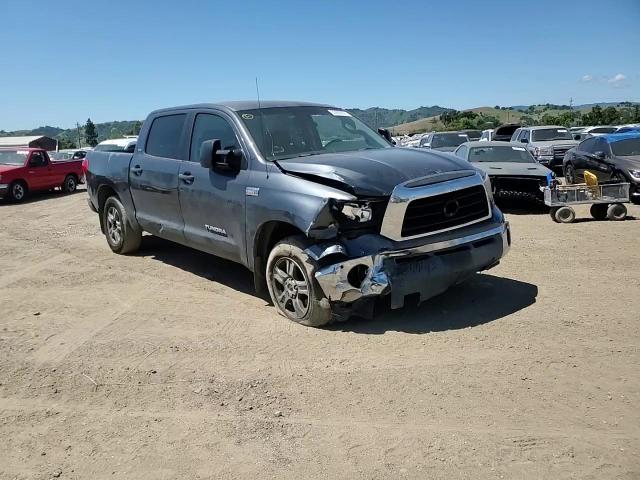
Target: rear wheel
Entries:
(293, 288)
(599, 211)
(616, 211)
(17, 191)
(122, 237)
(70, 184)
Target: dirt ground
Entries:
(165, 365)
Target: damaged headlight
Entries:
(358, 212)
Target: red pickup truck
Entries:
(29, 169)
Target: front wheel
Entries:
(617, 212)
(565, 215)
(122, 237)
(570, 174)
(293, 288)
(17, 191)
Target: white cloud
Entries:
(587, 78)
(617, 79)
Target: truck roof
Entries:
(238, 105)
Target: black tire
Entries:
(18, 191)
(292, 285)
(616, 212)
(70, 184)
(599, 211)
(570, 174)
(565, 215)
(121, 235)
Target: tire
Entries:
(599, 211)
(70, 184)
(565, 215)
(18, 191)
(552, 214)
(121, 236)
(616, 212)
(292, 285)
(570, 174)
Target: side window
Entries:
(517, 135)
(79, 155)
(526, 135)
(37, 160)
(602, 146)
(462, 151)
(165, 136)
(588, 145)
(209, 127)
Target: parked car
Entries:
(71, 154)
(547, 144)
(126, 144)
(514, 173)
(503, 133)
(326, 227)
(628, 128)
(443, 141)
(585, 132)
(26, 170)
(487, 135)
(472, 134)
(612, 157)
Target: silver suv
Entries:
(547, 144)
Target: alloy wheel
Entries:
(291, 287)
(114, 225)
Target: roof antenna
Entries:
(263, 131)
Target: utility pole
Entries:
(78, 129)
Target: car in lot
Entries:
(325, 212)
(514, 173)
(612, 157)
(126, 144)
(24, 170)
(580, 133)
(547, 144)
(70, 154)
(443, 141)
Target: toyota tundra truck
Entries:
(24, 170)
(327, 213)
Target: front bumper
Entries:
(426, 270)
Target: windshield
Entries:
(548, 134)
(287, 132)
(500, 154)
(448, 140)
(13, 157)
(626, 148)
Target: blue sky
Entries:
(113, 60)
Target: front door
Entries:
(153, 177)
(213, 201)
(38, 171)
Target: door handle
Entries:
(137, 170)
(186, 177)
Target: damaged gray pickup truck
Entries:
(326, 213)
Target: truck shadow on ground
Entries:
(482, 299)
(33, 197)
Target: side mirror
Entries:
(386, 134)
(524, 140)
(213, 157)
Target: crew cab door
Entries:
(212, 201)
(153, 177)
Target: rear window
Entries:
(604, 130)
(549, 134)
(109, 147)
(448, 140)
(165, 137)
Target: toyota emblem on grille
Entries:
(451, 208)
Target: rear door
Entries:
(213, 201)
(153, 176)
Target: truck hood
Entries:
(556, 143)
(8, 168)
(371, 172)
(512, 168)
